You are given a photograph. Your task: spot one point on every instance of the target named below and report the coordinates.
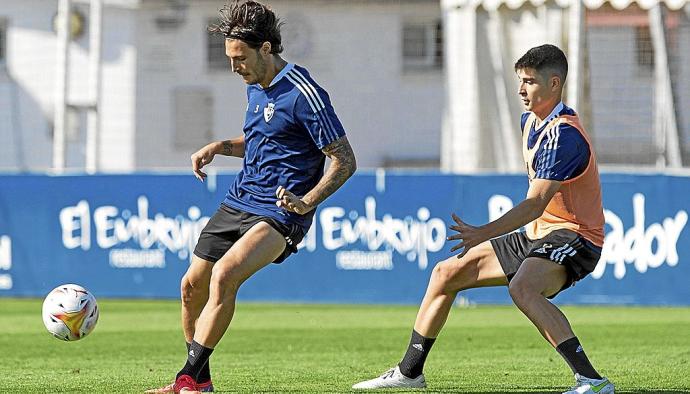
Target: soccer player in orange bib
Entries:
(564, 218)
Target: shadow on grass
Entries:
(450, 390)
(652, 391)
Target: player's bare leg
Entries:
(535, 280)
(261, 245)
(257, 248)
(194, 294)
(478, 268)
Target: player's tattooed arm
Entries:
(343, 165)
(205, 155)
(233, 147)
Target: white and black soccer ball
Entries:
(70, 312)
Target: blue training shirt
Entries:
(563, 153)
(285, 128)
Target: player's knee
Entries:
(443, 276)
(225, 282)
(440, 273)
(188, 292)
(521, 290)
(454, 276)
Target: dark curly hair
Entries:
(250, 22)
(545, 58)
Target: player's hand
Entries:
(469, 236)
(290, 202)
(200, 158)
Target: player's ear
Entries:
(265, 48)
(555, 83)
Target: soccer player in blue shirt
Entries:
(564, 220)
(290, 128)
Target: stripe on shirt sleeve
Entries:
(548, 155)
(553, 148)
(313, 90)
(317, 105)
(311, 103)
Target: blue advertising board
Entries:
(374, 241)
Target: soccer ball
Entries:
(70, 312)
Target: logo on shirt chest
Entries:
(269, 111)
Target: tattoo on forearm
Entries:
(342, 167)
(227, 148)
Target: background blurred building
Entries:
(629, 78)
(167, 88)
(399, 72)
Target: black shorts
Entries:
(567, 248)
(229, 224)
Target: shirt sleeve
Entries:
(523, 120)
(314, 112)
(563, 154)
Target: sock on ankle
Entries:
(575, 356)
(197, 357)
(412, 363)
(205, 373)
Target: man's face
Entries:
(245, 61)
(537, 93)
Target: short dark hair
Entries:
(545, 58)
(250, 22)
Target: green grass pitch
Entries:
(326, 348)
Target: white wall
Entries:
(626, 134)
(27, 87)
(682, 88)
(117, 148)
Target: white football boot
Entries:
(392, 379)
(585, 385)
